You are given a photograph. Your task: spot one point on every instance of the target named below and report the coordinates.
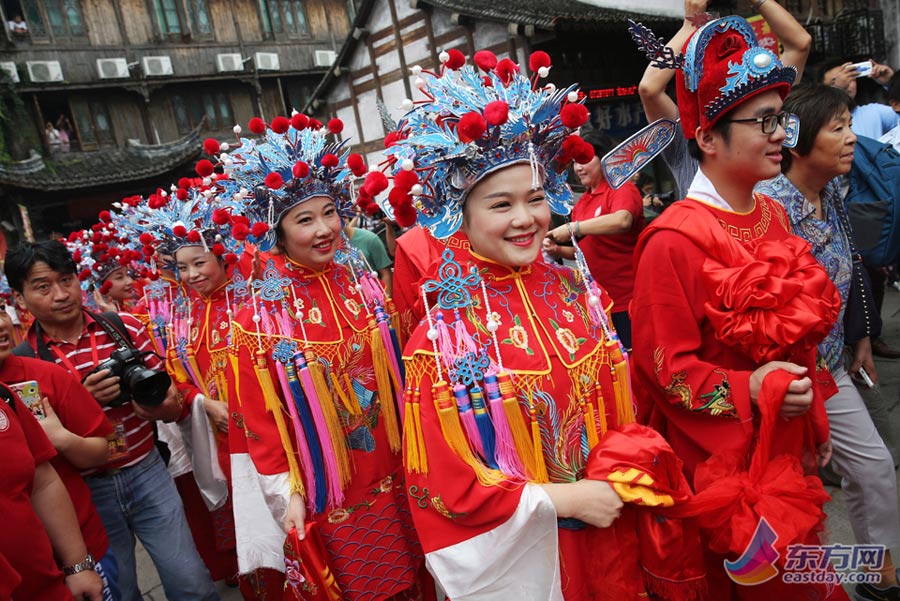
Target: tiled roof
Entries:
(75, 170)
(546, 14)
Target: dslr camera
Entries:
(145, 386)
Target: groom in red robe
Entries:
(725, 295)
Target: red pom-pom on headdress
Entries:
(257, 126)
(274, 180)
(399, 196)
(357, 164)
(376, 183)
(179, 230)
(391, 139)
(583, 153)
(299, 121)
(204, 168)
(496, 112)
(105, 287)
(280, 125)
(405, 180)
(506, 70)
(471, 127)
(330, 160)
(486, 60)
(259, 229)
(240, 231)
(218, 249)
(405, 215)
(220, 216)
(455, 59)
(231, 259)
(181, 194)
(573, 115)
(211, 146)
(193, 236)
(538, 59)
(300, 170)
(335, 126)
(146, 238)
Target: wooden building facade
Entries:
(589, 45)
(123, 74)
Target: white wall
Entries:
(668, 8)
(891, 10)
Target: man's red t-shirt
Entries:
(609, 256)
(81, 415)
(134, 436)
(25, 544)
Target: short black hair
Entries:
(893, 89)
(815, 104)
(825, 66)
(601, 142)
(22, 257)
(721, 127)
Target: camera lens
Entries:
(147, 387)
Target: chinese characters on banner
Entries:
(764, 34)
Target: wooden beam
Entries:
(355, 104)
(397, 39)
(429, 32)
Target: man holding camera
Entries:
(133, 491)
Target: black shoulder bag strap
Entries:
(9, 396)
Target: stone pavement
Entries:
(838, 528)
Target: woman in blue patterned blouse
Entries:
(810, 190)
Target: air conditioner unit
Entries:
(44, 71)
(9, 68)
(229, 62)
(156, 66)
(112, 68)
(267, 61)
(324, 58)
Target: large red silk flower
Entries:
(779, 301)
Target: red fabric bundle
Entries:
(731, 498)
(641, 466)
(308, 576)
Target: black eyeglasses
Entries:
(768, 123)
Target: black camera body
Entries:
(145, 386)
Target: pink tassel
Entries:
(332, 473)
(371, 289)
(464, 342)
(446, 348)
(384, 328)
(467, 417)
(505, 451)
(302, 444)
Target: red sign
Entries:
(613, 92)
(764, 35)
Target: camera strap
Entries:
(114, 331)
(105, 321)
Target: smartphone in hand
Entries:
(863, 69)
(30, 395)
